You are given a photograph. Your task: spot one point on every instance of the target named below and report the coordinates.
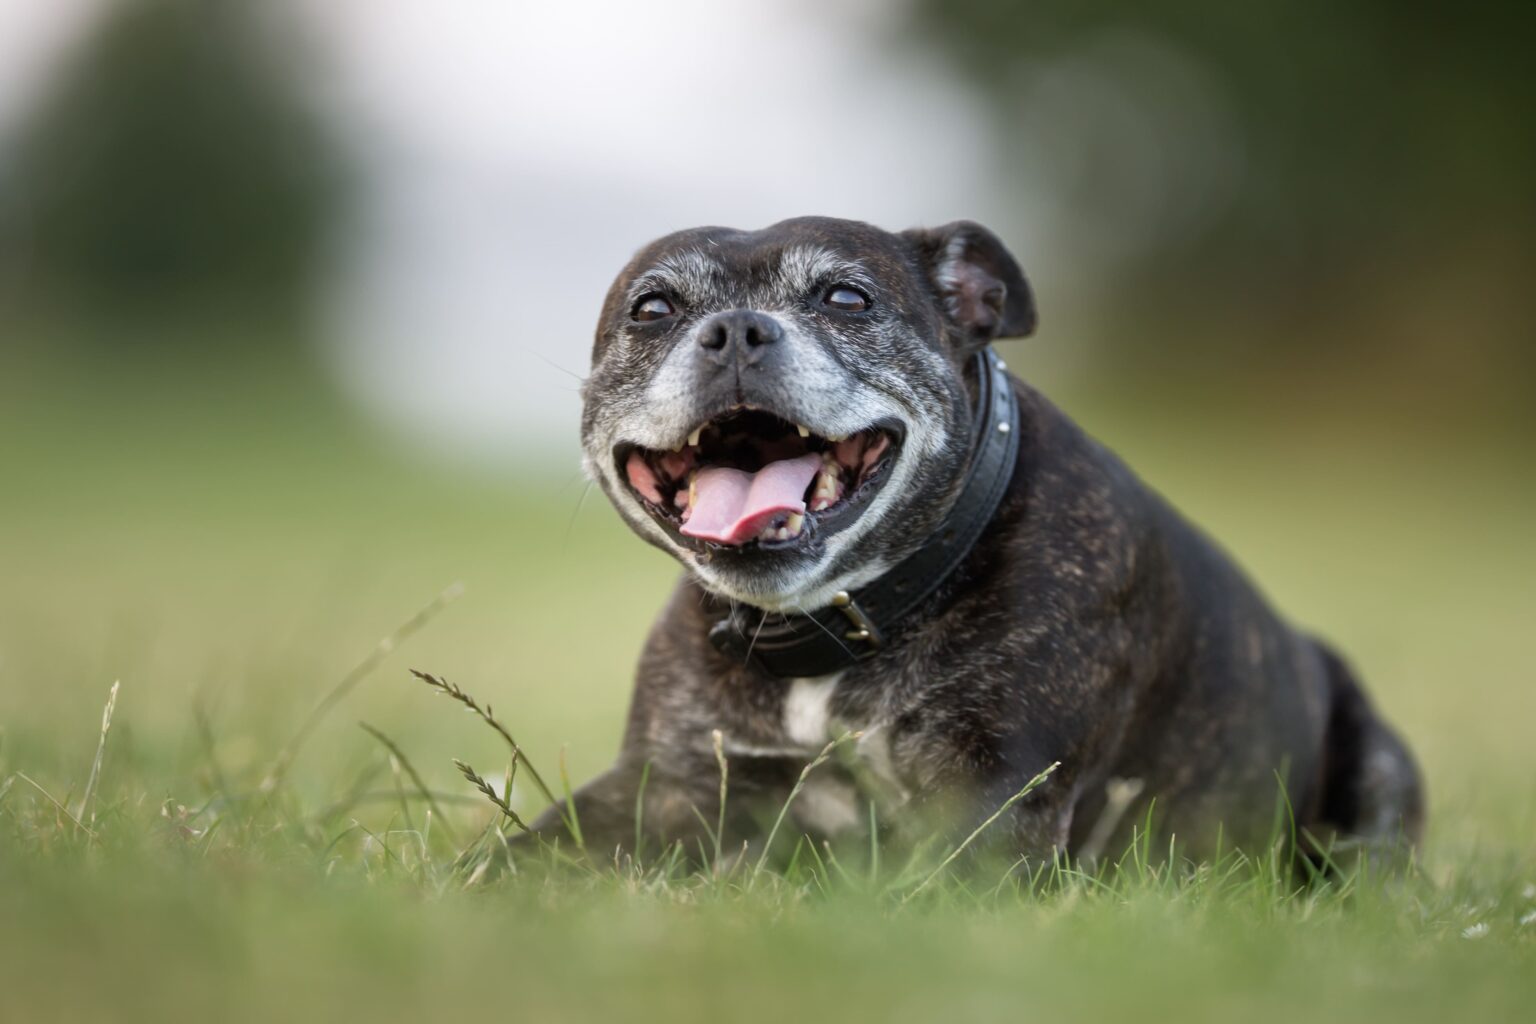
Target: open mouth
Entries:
(751, 478)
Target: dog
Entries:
(889, 537)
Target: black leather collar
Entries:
(857, 624)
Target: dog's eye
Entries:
(651, 308)
(849, 300)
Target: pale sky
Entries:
(33, 36)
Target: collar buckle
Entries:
(863, 630)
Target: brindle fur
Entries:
(1091, 625)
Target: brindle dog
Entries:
(790, 413)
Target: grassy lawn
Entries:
(229, 547)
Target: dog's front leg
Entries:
(601, 813)
(628, 807)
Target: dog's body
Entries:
(1088, 625)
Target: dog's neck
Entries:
(858, 623)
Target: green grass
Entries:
(231, 548)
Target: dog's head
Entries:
(787, 411)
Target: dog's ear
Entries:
(977, 280)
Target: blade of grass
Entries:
(831, 859)
(1029, 787)
(359, 672)
(805, 773)
(819, 873)
(485, 714)
(1008, 876)
(874, 845)
(354, 795)
(101, 750)
(335, 841)
(379, 796)
(645, 776)
(383, 845)
(490, 794)
(415, 777)
(24, 777)
(205, 738)
(570, 803)
(405, 804)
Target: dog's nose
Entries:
(739, 333)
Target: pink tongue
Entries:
(731, 506)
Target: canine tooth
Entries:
(828, 485)
(793, 524)
(827, 478)
(693, 438)
(834, 438)
(804, 432)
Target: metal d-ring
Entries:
(863, 629)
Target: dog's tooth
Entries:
(826, 493)
(793, 524)
(693, 438)
(827, 480)
(804, 431)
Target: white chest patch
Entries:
(807, 719)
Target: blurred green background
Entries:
(1290, 242)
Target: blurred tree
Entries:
(169, 177)
(1382, 154)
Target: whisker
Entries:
(835, 639)
(755, 635)
(570, 373)
(570, 527)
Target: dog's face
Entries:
(787, 411)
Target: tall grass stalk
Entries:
(1029, 787)
(805, 773)
(383, 649)
(86, 809)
